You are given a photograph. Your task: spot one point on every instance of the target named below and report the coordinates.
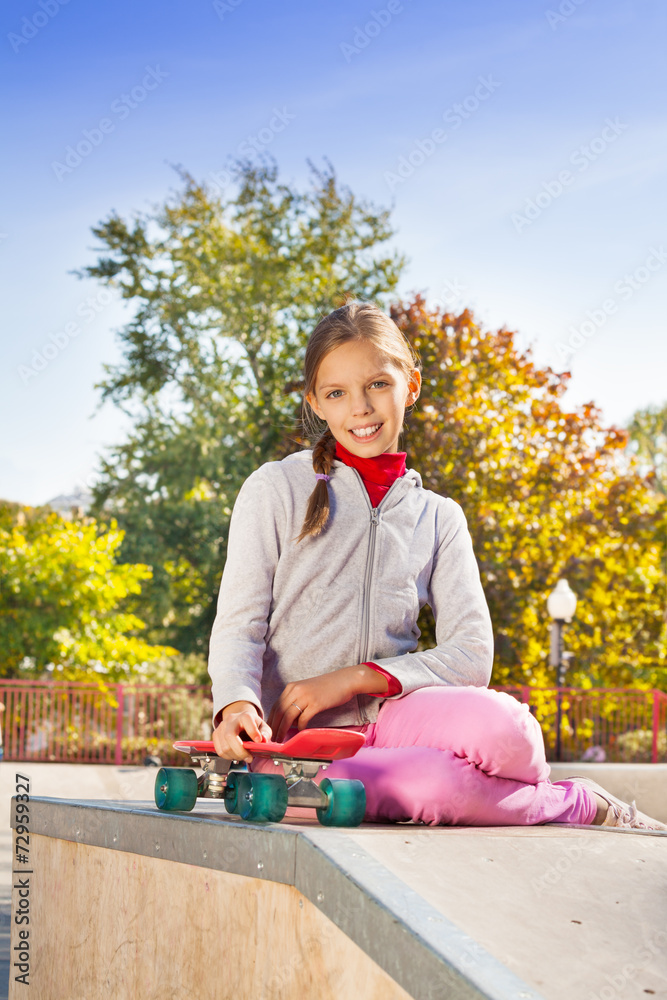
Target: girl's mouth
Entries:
(366, 433)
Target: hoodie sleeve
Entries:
(463, 631)
(237, 642)
(394, 686)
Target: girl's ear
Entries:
(414, 387)
(312, 403)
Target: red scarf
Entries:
(377, 473)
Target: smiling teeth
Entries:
(366, 431)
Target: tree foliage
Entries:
(547, 495)
(648, 440)
(61, 597)
(225, 292)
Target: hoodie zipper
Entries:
(370, 556)
(366, 619)
(367, 584)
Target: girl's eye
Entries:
(332, 394)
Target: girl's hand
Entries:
(301, 700)
(239, 717)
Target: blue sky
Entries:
(521, 146)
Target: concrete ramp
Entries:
(575, 913)
(129, 902)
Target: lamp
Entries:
(562, 602)
(561, 605)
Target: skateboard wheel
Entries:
(261, 798)
(347, 802)
(176, 789)
(231, 791)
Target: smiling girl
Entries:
(332, 554)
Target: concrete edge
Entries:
(420, 948)
(217, 841)
(423, 951)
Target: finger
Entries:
(237, 750)
(276, 714)
(303, 721)
(251, 726)
(288, 719)
(284, 724)
(277, 719)
(278, 708)
(273, 721)
(218, 742)
(224, 746)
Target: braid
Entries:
(317, 514)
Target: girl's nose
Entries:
(361, 404)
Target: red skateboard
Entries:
(263, 798)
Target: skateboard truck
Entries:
(301, 789)
(212, 782)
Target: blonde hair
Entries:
(355, 321)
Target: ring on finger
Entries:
(294, 704)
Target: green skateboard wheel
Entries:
(261, 798)
(176, 789)
(347, 802)
(232, 791)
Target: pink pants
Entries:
(462, 756)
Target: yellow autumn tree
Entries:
(63, 599)
(547, 493)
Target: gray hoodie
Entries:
(289, 611)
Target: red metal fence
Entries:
(612, 724)
(123, 724)
(80, 723)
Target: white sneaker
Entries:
(620, 813)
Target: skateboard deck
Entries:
(309, 744)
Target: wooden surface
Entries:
(107, 924)
(574, 914)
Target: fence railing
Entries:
(600, 724)
(80, 723)
(125, 723)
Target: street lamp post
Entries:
(561, 605)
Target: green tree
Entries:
(61, 597)
(225, 292)
(648, 441)
(546, 494)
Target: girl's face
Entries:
(363, 398)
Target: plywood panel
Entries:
(107, 924)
